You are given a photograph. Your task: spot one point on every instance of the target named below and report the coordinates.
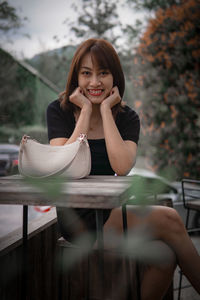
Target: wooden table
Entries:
(94, 192)
(91, 192)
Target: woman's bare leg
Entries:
(166, 225)
(156, 281)
(173, 232)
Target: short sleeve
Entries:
(59, 123)
(128, 124)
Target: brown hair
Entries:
(104, 53)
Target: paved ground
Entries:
(188, 292)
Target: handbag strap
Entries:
(21, 150)
(82, 139)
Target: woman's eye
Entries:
(104, 73)
(86, 73)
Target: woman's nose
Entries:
(95, 81)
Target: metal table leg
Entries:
(100, 245)
(25, 253)
(99, 224)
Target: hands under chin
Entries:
(79, 99)
(113, 99)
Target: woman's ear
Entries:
(112, 91)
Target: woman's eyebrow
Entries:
(99, 69)
(83, 67)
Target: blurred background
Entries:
(158, 43)
(159, 47)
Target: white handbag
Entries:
(37, 160)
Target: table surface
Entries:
(90, 192)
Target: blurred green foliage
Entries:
(138, 243)
(167, 87)
(24, 97)
(15, 87)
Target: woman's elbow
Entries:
(123, 170)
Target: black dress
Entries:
(61, 124)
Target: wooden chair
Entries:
(191, 201)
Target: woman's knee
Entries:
(166, 220)
(156, 216)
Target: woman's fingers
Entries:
(78, 98)
(113, 98)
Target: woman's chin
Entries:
(95, 99)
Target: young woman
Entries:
(92, 104)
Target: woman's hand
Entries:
(79, 99)
(113, 99)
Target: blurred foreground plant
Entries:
(138, 244)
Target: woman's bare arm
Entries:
(83, 122)
(122, 154)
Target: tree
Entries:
(13, 93)
(169, 81)
(152, 5)
(8, 17)
(9, 20)
(97, 18)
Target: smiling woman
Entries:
(97, 61)
(92, 104)
(95, 81)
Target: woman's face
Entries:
(95, 82)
